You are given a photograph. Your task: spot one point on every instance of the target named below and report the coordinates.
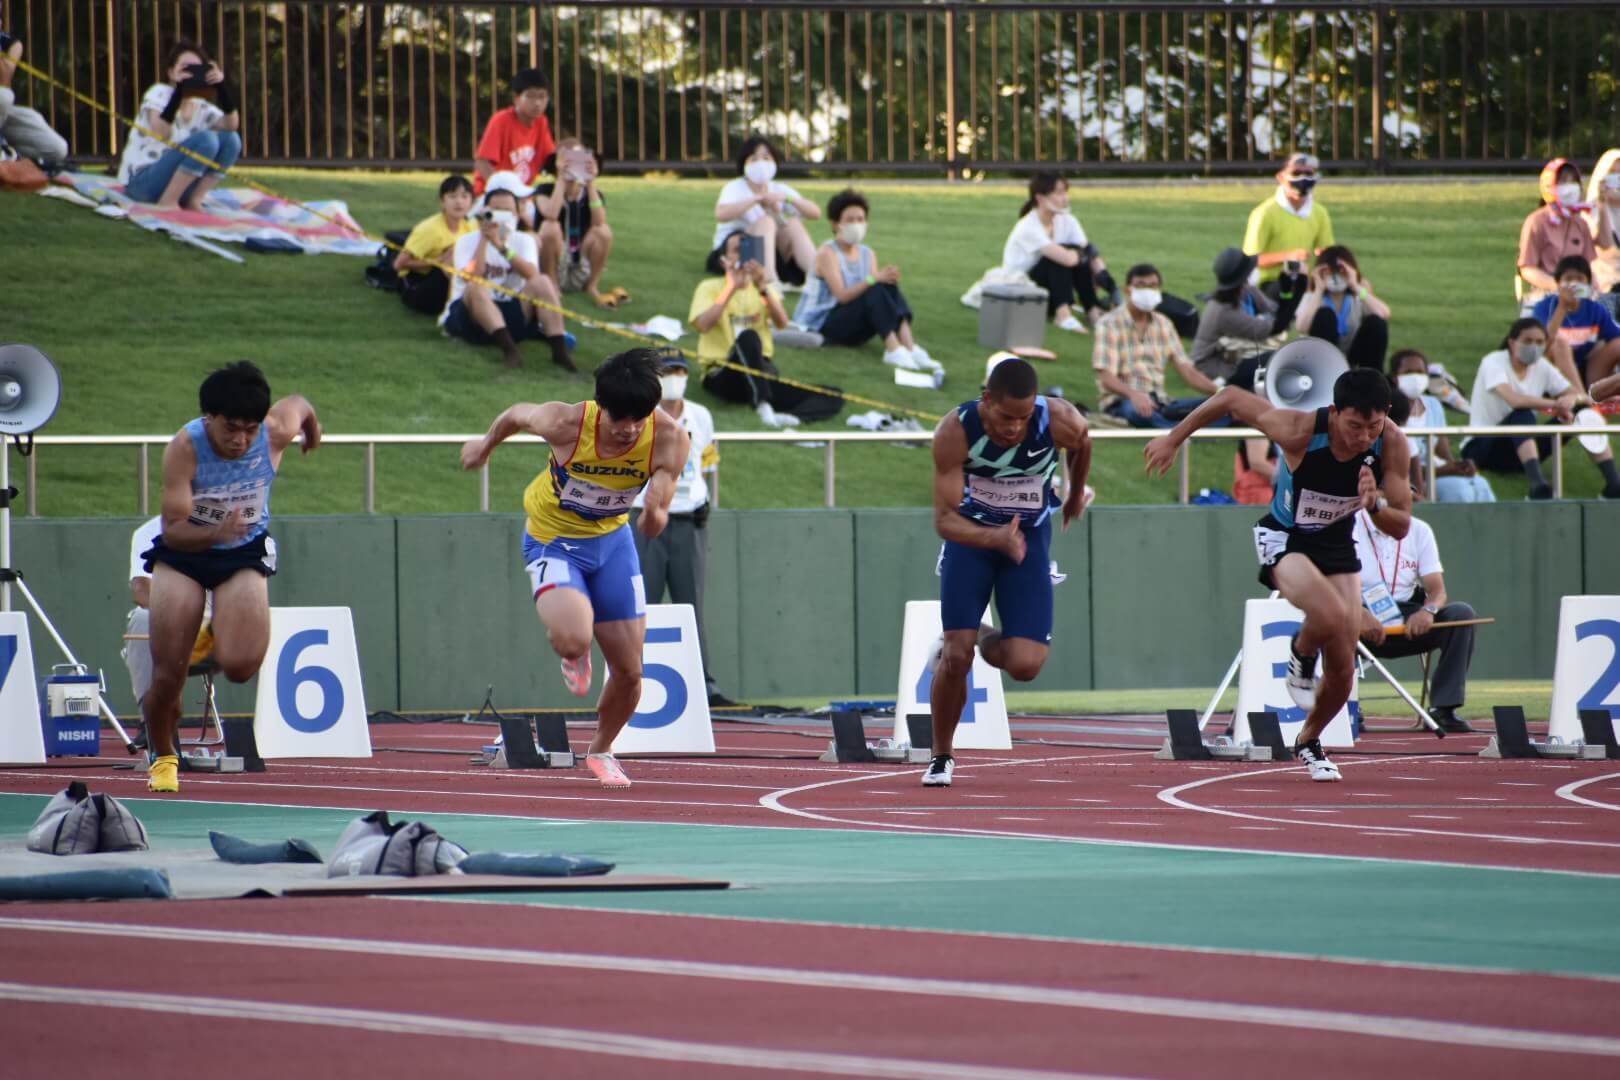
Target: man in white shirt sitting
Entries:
(1408, 572)
(678, 557)
(137, 652)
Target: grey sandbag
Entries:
(125, 883)
(75, 822)
(374, 845)
(233, 849)
(526, 865)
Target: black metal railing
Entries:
(915, 87)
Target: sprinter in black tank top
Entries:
(1334, 462)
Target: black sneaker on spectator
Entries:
(939, 771)
(1611, 491)
(1540, 492)
(717, 700)
(1450, 722)
(1322, 770)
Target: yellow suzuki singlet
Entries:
(589, 495)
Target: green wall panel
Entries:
(895, 552)
(796, 578)
(1601, 546)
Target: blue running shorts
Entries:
(968, 576)
(605, 568)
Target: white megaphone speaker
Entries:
(1301, 374)
(30, 390)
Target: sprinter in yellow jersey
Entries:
(582, 564)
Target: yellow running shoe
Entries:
(164, 774)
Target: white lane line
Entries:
(1568, 791)
(1258, 790)
(1258, 828)
(522, 775)
(1172, 796)
(579, 1040)
(1517, 783)
(1436, 817)
(1480, 798)
(1560, 823)
(1413, 779)
(1149, 824)
(1368, 1024)
(1078, 799)
(1020, 819)
(1369, 795)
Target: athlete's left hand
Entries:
(1368, 489)
(652, 521)
(474, 453)
(1076, 502)
(1160, 455)
(312, 431)
(1420, 623)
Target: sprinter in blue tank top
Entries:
(994, 461)
(1333, 461)
(217, 474)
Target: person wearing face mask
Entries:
(1556, 229)
(500, 254)
(1339, 307)
(1585, 339)
(1291, 226)
(1135, 345)
(1240, 325)
(850, 299)
(194, 109)
(677, 559)
(1049, 245)
(761, 205)
(575, 237)
(1515, 383)
(1603, 193)
(1414, 409)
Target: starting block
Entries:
(1186, 742)
(849, 741)
(1512, 738)
(518, 748)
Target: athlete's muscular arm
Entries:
(1070, 431)
(291, 416)
(1288, 428)
(1396, 517)
(950, 451)
(179, 532)
(555, 421)
(671, 447)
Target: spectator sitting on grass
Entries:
(575, 238)
(1135, 344)
(1339, 307)
(849, 299)
(1603, 193)
(760, 205)
(430, 249)
(1288, 228)
(1239, 321)
(25, 129)
(517, 138)
(1557, 228)
(733, 313)
(181, 112)
(1512, 386)
(1413, 408)
(500, 254)
(1585, 338)
(1049, 245)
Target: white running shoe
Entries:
(939, 771)
(577, 675)
(773, 419)
(903, 358)
(1321, 769)
(1301, 679)
(924, 362)
(605, 767)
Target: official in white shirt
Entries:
(1410, 571)
(678, 557)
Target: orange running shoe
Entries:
(605, 767)
(577, 674)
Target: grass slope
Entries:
(133, 320)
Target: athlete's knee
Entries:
(570, 643)
(165, 688)
(1024, 668)
(628, 673)
(239, 668)
(957, 657)
(1328, 615)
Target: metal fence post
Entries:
(1558, 468)
(143, 472)
(950, 93)
(1185, 475)
(371, 478)
(483, 488)
(829, 477)
(1379, 164)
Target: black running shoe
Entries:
(1322, 770)
(939, 771)
(1301, 679)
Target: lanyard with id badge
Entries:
(1377, 596)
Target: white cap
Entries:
(506, 180)
(996, 358)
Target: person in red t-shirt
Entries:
(517, 139)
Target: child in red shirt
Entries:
(517, 139)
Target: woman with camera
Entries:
(195, 110)
(1339, 307)
(759, 205)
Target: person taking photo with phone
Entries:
(186, 138)
(575, 238)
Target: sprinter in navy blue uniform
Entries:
(217, 474)
(1333, 462)
(994, 460)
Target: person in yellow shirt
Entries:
(733, 313)
(1289, 228)
(423, 284)
(583, 570)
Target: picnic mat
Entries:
(228, 215)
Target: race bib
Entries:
(1318, 511)
(1381, 604)
(209, 508)
(1009, 494)
(593, 501)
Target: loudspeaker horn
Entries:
(1300, 375)
(30, 389)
